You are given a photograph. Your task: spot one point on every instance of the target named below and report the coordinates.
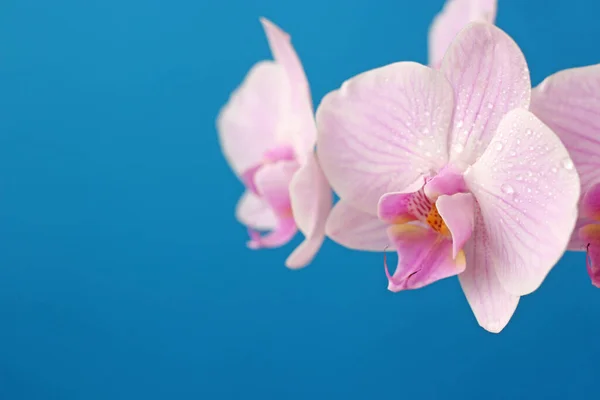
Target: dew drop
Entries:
(459, 124)
(420, 143)
(490, 105)
(567, 163)
(507, 189)
(458, 148)
(498, 146)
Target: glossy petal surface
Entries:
(384, 128)
(527, 189)
(452, 19)
(492, 305)
(490, 77)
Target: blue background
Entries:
(123, 273)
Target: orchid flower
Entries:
(267, 132)
(568, 102)
(449, 168)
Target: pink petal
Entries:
(424, 257)
(311, 200)
(492, 305)
(249, 122)
(304, 253)
(255, 213)
(247, 177)
(448, 181)
(356, 229)
(458, 212)
(591, 235)
(300, 128)
(283, 233)
(569, 103)
(490, 77)
(394, 208)
(382, 130)
(528, 189)
(452, 19)
(273, 183)
(590, 203)
(274, 154)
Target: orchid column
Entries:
(450, 168)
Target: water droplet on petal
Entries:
(567, 163)
(459, 124)
(420, 143)
(554, 169)
(498, 146)
(507, 189)
(458, 148)
(490, 105)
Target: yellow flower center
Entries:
(436, 222)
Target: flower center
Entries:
(436, 222)
(424, 210)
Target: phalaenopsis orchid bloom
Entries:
(267, 132)
(568, 102)
(450, 168)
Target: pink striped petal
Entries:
(451, 20)
(311, 200)
(356, 229)
(299, 127)
(590, 203)
(395, 208)
(249, 122)
(490, 77)
(528, 189)
(492, 305)
(569, 103)
(384, 128)
(424, 257)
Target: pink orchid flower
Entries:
(450, 169)
(568, 102)
(267, 132)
